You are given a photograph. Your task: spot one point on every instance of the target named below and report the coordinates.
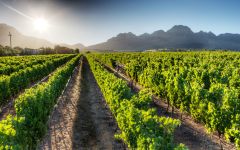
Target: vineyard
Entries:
(206, 85)
(23, 129)
(90, 101)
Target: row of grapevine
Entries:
(17, 81)
(140, 126)
(33, 107)
(204, 84)
(13, 64)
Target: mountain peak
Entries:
(4, 25)
(180, 29)
(4, 28)
(124, 35)
(206, 34)
(158, 33)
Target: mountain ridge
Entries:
(179, 36)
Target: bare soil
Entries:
(81, 120)
(192, 134)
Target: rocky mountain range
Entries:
(178, 37)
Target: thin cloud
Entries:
(17, 11)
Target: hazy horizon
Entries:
(91, 22)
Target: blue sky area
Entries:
(93, 21)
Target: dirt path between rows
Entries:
(190, 133)
(81, 119)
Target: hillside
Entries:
(18, 39)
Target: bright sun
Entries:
(41, 24)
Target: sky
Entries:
(94, 21)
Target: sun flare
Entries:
(40, 24)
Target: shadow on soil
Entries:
(94, 127)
